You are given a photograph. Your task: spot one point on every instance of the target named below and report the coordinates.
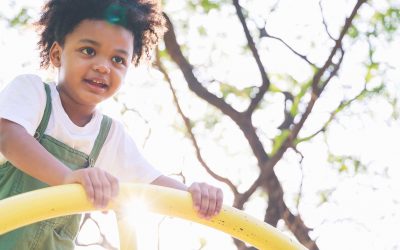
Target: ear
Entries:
(55, 54)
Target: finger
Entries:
(97, 187)
(87, 185)
(195, 191)
(204, 200)
(106, 188)
(219, 201)
(114, 185)
(212, 198)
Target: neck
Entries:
(78, 119)
(79, 114)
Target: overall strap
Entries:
(101, 138)
(46, 115)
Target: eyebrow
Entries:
(97, 44)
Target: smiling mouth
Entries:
(97, 84)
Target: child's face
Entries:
(93, 61)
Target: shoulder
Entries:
(119, 137)
(27, 79)
(23, 100)
(28, 85)
(124, 159)
(25, 83)
(117, 130)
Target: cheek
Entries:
(119, 75)
(118, 82)
(73, 65)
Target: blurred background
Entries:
(291, 107)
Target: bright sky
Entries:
(364, 210)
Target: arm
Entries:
(169, 182)
(23, 151)
(28, 155)
(207, 200)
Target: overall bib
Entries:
(53, 234)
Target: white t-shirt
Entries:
(23, 101)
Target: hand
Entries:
(207, 199)
(99, 185)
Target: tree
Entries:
(298, 97)
(292, 92)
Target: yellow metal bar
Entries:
(51, 202)
(127, 233)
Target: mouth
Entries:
(96, 83)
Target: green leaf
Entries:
(163, 54)
(295, 107)
(227, 89)
(203, 242)
(385, 23)
(357, 166)
(353, 32)
(210, 120)
(274, 89)
(343, 168)
(20, 19)
(278, 141)
(324, 196)
(202, 30)
(209, 5)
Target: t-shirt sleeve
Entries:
(23, 101)
(121, 157)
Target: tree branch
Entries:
(104, 242)
(250, 42)
(343, 104)
(291, 49)
(272, 183)
(125, 109)
(316, 90)
(243, 121)
(175, 52)
(338, 45)
(187, 123)
(324, 22)
(302, 177)
(333, 73)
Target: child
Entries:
(52, 134)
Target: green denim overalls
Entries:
(53, 234)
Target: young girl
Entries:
(52, 134)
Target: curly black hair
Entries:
(141, 17)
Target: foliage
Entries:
(287, 62)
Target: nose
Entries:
(101, 68)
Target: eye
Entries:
(88, 51)
(119, 60)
